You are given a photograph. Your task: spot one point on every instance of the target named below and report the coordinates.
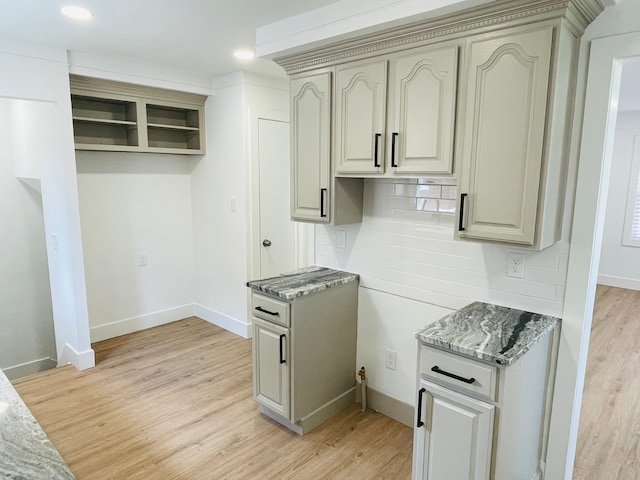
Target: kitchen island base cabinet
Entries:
(304, 355)
(483, 430)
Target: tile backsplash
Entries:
(405, 246)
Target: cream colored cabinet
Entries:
(507, 167)
(310, 145)
(414, 135)
(455, 441)
(304, 355)
(271, 372)
(478, 421)
(422, 111)
(361, 90)
(316, 196)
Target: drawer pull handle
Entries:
(282, 359)
(260, 309)
(420, 394)
(452, 375)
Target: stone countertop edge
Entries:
(486, 332)
(26, 450)
(303, 281)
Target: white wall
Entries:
(133, 203)
(27, 337)
(37, 73)
(406, 257)
(221, 196)
(619, 264)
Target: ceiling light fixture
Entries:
(77, 13)
(244, 54)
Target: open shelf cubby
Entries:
(116, 116)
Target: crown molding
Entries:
(90, 86)
(576, 14)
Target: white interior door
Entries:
(277, 234)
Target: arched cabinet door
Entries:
(423, 102)
(360, 117)
(507, 80)
(311, 147)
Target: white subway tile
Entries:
(431, 218)
(447, 219)
(449, 192)
(403, 203)
(427, 204)
(404, 190)
(428, 191)
(447, 206)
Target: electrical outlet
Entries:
(142, 259)
(341, 239)
(54, 241)
(390, 357)
(515, 265)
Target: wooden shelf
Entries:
(119, 117)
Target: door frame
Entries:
(302, 234)
(596, 148)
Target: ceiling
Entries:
(198, 36)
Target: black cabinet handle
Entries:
(282, 359)
(376, 161)
(452, 375)
(463, 197)
(420, 394)
(394, 135)
(260, 309)
(323, 194)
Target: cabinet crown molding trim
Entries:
(499, 14)
(89, 86)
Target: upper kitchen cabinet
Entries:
(422, 111)
(114, 116)
(485, 94)
(360, 117)
(515, 135)
(316, 196)
(414, 135)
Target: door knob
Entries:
(266, 243)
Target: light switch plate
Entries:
(341, 239)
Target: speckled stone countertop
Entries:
(25, 451)
(491, 333)
(304, 281)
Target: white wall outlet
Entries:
(515, 265)
(341, 239)
(142, 259)
(390, 357)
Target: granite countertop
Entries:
(25, 450)
(491, 333)
(304, 281)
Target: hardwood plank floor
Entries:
(175, 402)
(609, 432)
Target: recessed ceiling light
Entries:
(244, 54)
(77, 13)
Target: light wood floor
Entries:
(175, 402)
(609, 432)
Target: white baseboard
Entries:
(135, 324)
(29, 368)
(80, 360)
(620, 282)
(387, 405)
(228, 323)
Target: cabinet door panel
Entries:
(310, 145)
(360, 114)
(456, 439)
(504, 134)
(271, 375)
(424, 92)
